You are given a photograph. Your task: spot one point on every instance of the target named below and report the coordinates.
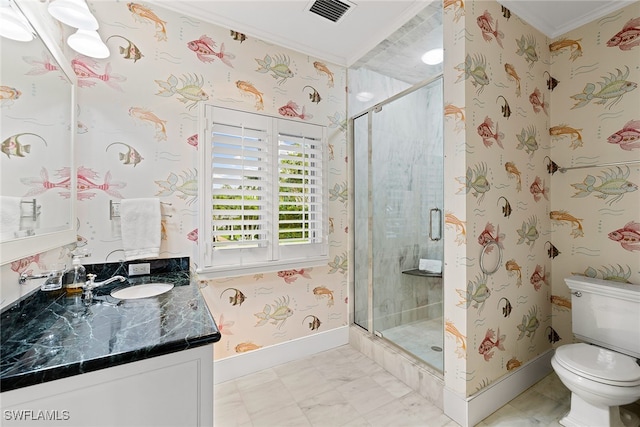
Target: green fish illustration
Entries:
(476, 181)
(131, 51)
(527, 140)
(188, 188)
(613, 183)
(476, 293)
(339, 264)
(191, 90)
(281, 312)
(611, 90)
(280, 67)
(338, 192)
(528, 232)
(476, 69)
(130, 157)
(530, 324)
(13, 147)
(527, 48)
(614, 274)
(337, 121)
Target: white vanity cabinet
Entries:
(173, 390)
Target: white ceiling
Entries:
(288, 23)
(368, 23)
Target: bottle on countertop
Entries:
(77, 275)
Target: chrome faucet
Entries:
(90, 285)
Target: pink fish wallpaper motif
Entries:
(144, 142)
(627, 138)
(42, 65)
(204, 48)
(87, 74)
(628, 236)
(560, 103)
(586, 77)
(628, 37)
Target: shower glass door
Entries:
(399, 216)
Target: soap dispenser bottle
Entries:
(76, 276)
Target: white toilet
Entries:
(605, 373)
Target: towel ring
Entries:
(486, 248)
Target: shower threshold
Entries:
(424, 339)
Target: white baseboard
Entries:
(469, 411)
(243, 364)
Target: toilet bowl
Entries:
(601, 371)
(600, 380)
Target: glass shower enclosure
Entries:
(398, 220)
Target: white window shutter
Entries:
(266, 183)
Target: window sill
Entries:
(268, 267)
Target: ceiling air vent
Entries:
(332, 10)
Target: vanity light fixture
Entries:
(433, 57)
(88, 43)
(12, 24)
(74, 13)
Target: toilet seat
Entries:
(599, 364)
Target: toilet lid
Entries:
(600, 364)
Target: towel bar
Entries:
(114, 209)
(35, 209)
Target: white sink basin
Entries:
(146, 290)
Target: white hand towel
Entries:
(10, 212)
(430, 265)
(140, 224)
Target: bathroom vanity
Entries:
(145, 362)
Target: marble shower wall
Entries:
(137, 137)
(406, 183)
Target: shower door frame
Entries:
(351, 150)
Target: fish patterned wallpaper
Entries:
(496, 117)
(595, 212)
(516, 104)
(138, 137)
(35, 132)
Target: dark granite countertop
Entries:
(50, 336)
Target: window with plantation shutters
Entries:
(265, 182)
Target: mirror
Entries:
(37, 116)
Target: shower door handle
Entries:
(431, 213)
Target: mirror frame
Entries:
(13, 250)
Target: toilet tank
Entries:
(606, 313)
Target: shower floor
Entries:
(418, 338)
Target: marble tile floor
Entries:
(342, 387)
